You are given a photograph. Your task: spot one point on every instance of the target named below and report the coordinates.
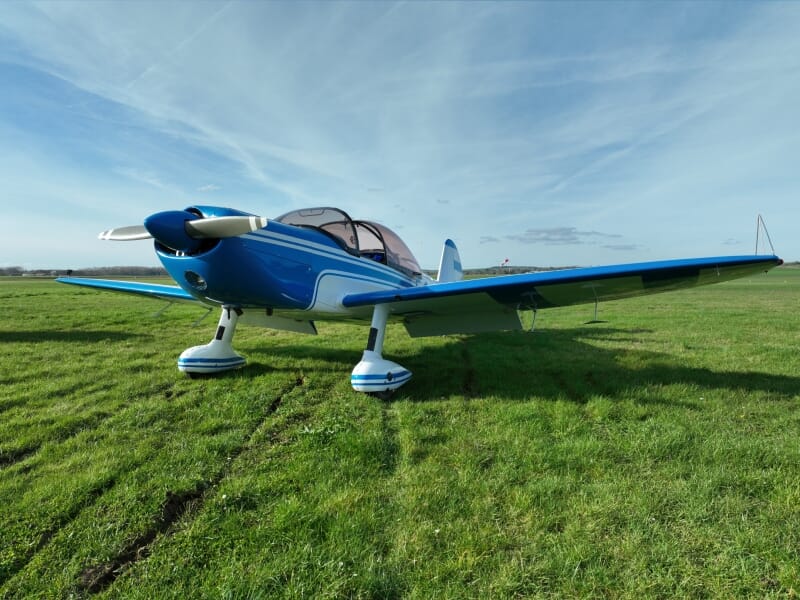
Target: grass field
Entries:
(654, 455)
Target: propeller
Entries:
(222, 227)
(126, 234)
(183, 230)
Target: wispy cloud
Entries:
(622, 247)
(561, 236)
(148, 177)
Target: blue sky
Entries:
(550, 134)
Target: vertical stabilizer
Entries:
(450, 265)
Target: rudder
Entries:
(450, 264)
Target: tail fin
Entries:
(450, 265)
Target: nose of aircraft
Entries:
(186, 230)
(169, 228)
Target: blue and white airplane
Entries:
(318, 264)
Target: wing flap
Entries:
(474, 313)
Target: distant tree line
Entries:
(88, 272)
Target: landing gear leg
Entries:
(373, 374)
(218, 355)
(596, 304)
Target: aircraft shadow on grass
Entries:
(70, 336)
(551, 364)
(554, 364)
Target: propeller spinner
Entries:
(183, 231)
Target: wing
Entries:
(151, 290)
(173, 293)
(491, 304)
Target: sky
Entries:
(550, 134)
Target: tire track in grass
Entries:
(38, 398)
(58, 436)
(54, 434)
(17, 455)
(91, 496)
(96, 578)
(62, 434)
(177, 505)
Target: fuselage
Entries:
(283, 268)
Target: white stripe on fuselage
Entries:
(309, 247)
(331, 284)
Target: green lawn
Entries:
(653, 455)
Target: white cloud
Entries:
(561, 236)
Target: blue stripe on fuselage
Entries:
(280, 267)
(312, 243)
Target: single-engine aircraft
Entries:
(318, 263)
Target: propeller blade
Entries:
(181, 229)
(126, 234)
(224, 227)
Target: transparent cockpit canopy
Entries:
(397, 254)
(362, 238)
(369, 238)
(330, 220)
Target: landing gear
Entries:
(218, 355)
(596, 304)
(595, 319)
(374, 374)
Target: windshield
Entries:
(332, 221)
(364, 238)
